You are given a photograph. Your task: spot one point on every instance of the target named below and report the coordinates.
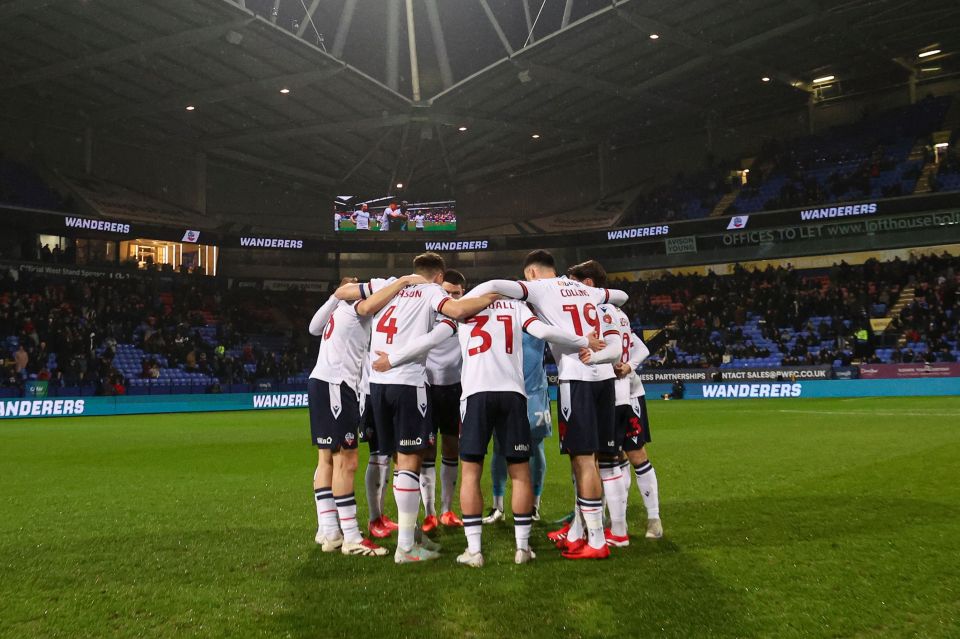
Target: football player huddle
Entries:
(403, 361)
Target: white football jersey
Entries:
(365, 373)
(344, 347)
(491, 343)
(623, 325)
(363, 220)
(638, 353)
(443, 361)
(571, 306)
(409, 315)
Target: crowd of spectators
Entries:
(67, 331)
(72, 332)
(804, 318)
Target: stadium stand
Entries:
(869, 159)
(166, 333)
(882, 155)
(782, 317)
(154, 334)
(21, 186)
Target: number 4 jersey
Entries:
(408, 316)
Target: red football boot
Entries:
(450, 520)
(378, 529)
(565, 545)
(429, 523)
(388, 523)
(586, 551)
(559, 534)
(616, 541)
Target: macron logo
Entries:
(477, 245)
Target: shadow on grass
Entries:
(654, 585)
(668, 588)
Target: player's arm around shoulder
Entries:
(374, 301)
(467, 306)
(532, 325)
(415, 348)
(505, 288)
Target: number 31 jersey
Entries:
(491, 343)
(409, 315)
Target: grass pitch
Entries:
(783, 518)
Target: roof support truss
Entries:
(496, 27)
(114, 56)
(363, 124)
(343, 28)
(219, 94)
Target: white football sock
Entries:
(473, 529)
(448, 483)
(428, 486)
(327, 522)
(406, 491)
(627, 478)
(647, 483)
(616, 499)
(521, 530)
(592, 510)
(347, 514)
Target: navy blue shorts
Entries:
(404, 422)
(633, 428)
(496, 413)
(445, 406)
(368, 430)
(334, 414)
(587, 420)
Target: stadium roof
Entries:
(360, 117)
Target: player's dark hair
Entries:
(591, 269)
(428, 264)
(455, 277)
(539, 258)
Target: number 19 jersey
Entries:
(571, 306)
(409, 315)
(491, 343)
